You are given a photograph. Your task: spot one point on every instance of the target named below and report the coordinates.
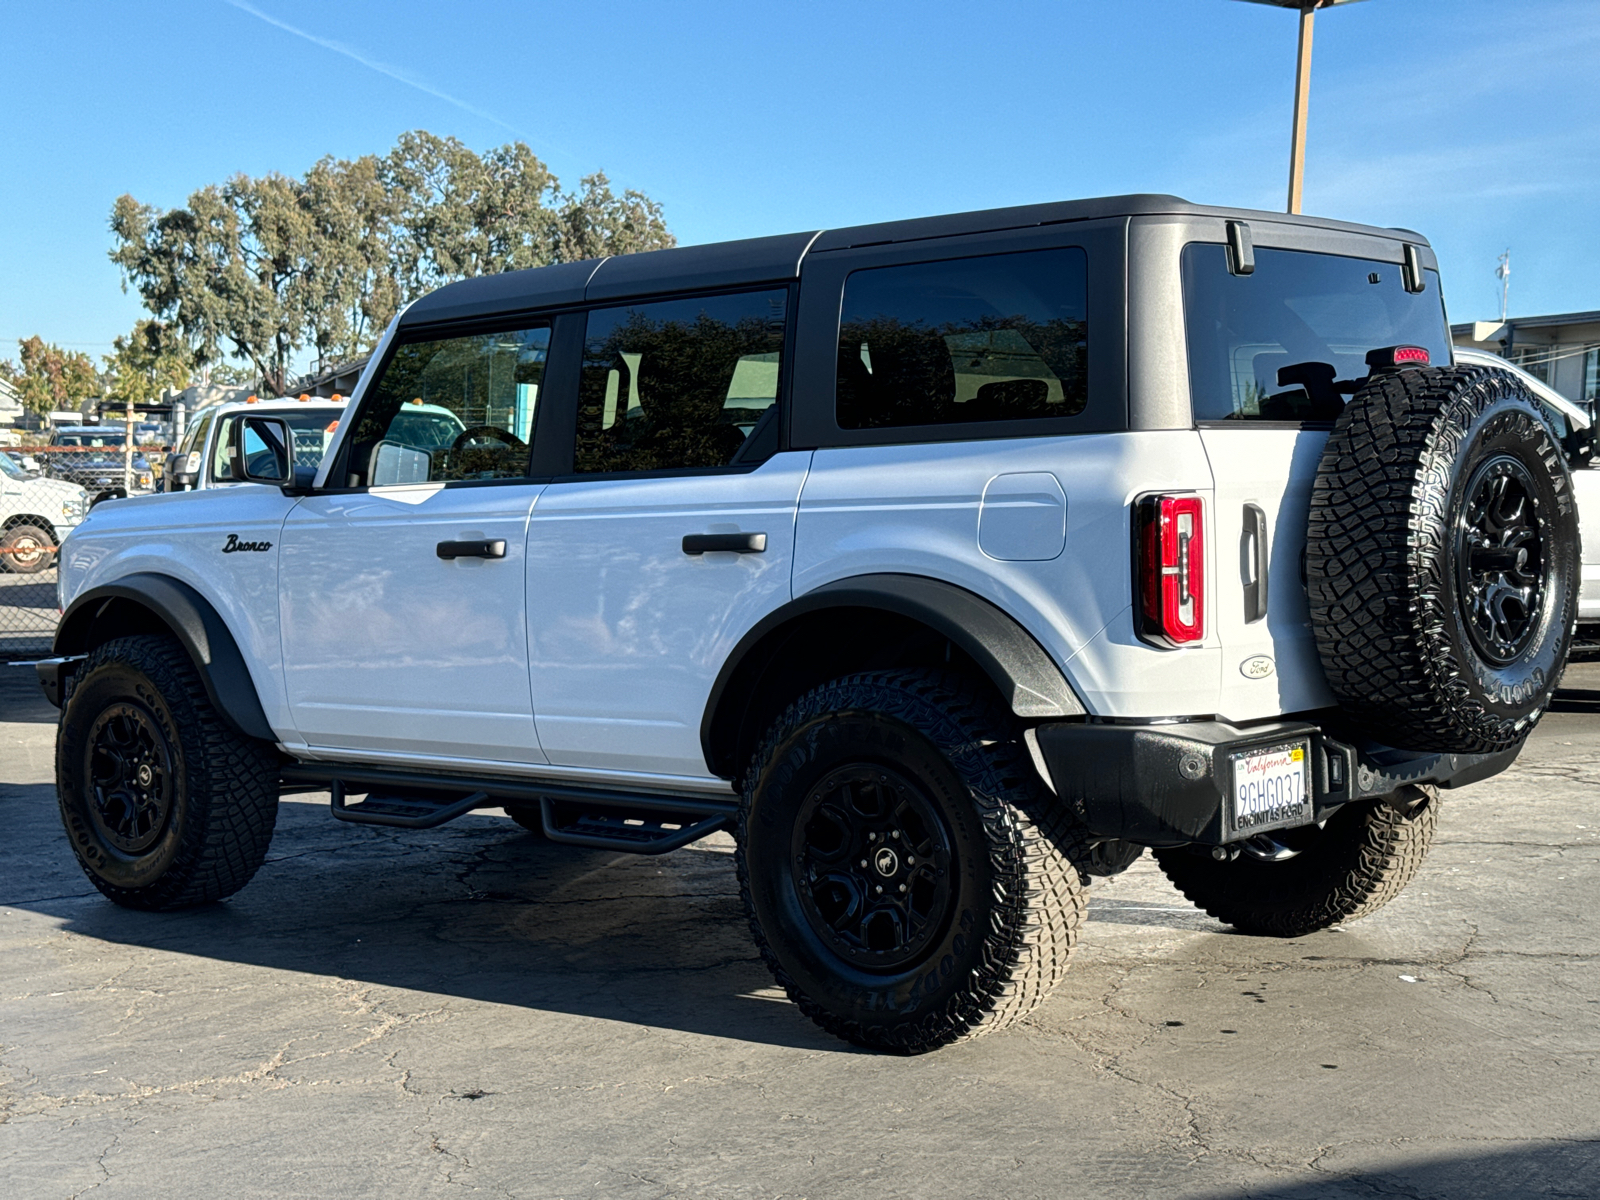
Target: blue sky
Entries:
(1474, 121)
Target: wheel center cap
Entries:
(886, 861)
(144, 775)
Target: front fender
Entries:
(135, 603)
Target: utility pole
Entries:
(1302, 89)
(1503, 274)
(1302, 101)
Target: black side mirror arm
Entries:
(302, 485)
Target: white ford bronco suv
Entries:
(945, 562)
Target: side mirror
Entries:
(264, 451)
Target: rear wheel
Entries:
(27, 550)
(1298, 881)
(907, 880)
(165, 804)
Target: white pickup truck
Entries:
(946, 562)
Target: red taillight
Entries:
(1170, 553)
(1395, 358)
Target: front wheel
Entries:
(165, 804)
(908, 881)
(1298, 881)
(27, 550)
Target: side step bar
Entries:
(638, 831)
(403, 812)
(635, 822)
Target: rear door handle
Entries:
(1254, 563)
(711, 543)
(489, 548)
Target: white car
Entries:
(945, 562)
(35, 515)
(205, 456)
(1578, 427)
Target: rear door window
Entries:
(997, 338)
(1289, 341)
(680, 384)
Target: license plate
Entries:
(1271, 790)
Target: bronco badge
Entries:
(235, 545)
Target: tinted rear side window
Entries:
(1289, 342)
(680, 383)
(997, 338)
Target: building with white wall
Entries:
(1562, 349)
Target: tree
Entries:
(261, 269)
(145, 363)
(225, 269)
(47, 378)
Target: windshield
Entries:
(10, 469)
(1289, 341)
(103, 440)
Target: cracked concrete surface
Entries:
(471, 1010)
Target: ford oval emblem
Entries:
(1258, 667)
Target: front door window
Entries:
(450, 409)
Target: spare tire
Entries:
(1442, 560)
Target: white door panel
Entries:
(627, 632)
(1272, 469)
(386, 646)
(920, 510)
(1586, 489)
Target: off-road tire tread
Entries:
(1034, 842)
(232, 784)
(1390, 852)
(1377, 548)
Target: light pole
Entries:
(1302, 89)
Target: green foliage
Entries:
(47, 378)
(263, 268)
(145, 363)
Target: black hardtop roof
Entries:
(776, 259)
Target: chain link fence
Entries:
(96, 468)
(28, 613)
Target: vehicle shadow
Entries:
(478, 909)
(1562, 1168)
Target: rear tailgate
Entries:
(1263, 478)
(1273, 355)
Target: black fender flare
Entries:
(197, 625)
(1027, 678)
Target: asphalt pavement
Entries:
(470, 1009)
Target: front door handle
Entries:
(488, 548)
(711, 543)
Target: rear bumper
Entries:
(1166, 785)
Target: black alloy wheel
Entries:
(1500, 559)
(1443, 560)
(872, 866)
(909, 881)
(165, 804)
(130, 774)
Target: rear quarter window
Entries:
(1000, 337)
